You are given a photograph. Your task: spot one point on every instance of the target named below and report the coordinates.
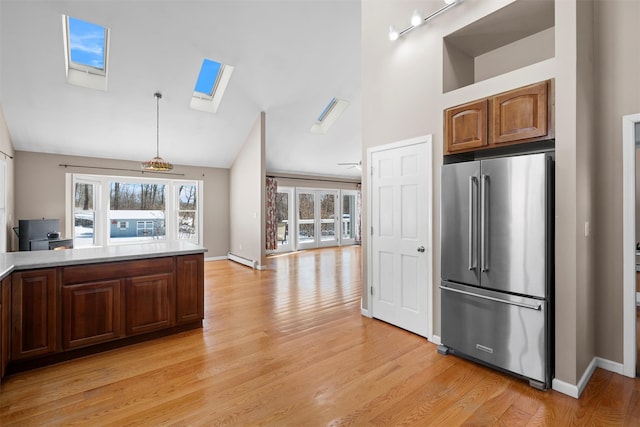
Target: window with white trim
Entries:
(134, 210)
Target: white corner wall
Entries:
(247, 182)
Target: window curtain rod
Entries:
(314, 179)
(118, 169)
(6, 155)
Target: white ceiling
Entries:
(290, 59)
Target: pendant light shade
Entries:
(157, 164)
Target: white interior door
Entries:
(400, 235)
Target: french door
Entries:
(317, 218)
(349, 217)
(284, 218)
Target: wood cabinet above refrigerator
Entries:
(517, 116)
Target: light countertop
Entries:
(15, 261)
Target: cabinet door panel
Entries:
(33, 305)
(465, 127)
(91, 313)
(150, 303)
(190, 289)
(5, 324)
(520, 114)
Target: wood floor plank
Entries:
(289, 346)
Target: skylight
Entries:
(208, 76)
(210, 86)
(86, 52)
(86, 43)
(329, 115)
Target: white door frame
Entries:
(629, 244)
(429, 203)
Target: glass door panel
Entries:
(306, 220)
(348, 217)
(328, 210)
(284, 210)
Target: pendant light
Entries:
(157, 164)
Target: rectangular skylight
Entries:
(86, 52)
(210, 86)
(87, 43)
(208, 76)
(326, 110)
(329, 115)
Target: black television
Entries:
(35, 229)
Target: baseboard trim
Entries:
(576, 390)
(565, 388)
(608, 365)
(435, 339)
(365, 312)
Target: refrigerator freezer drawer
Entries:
(506, 331)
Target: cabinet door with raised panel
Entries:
(5, 324)
(33, 312)
(150, 303)
(520, 114)
(190, 288)
(91, 313)
(465, 127)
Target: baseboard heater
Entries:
(242, 260)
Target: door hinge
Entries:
(372, 230)
(371, 288)
(371, 170)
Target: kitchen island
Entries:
(58, 305)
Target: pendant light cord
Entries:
(158, 95)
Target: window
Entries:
(135, 210)
(84, 215)
(86, 52)
(187, 211)
(210, 86)
(140, 202)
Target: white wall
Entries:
(6, 146)
(247, 196)
(617, 59)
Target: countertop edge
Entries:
(50, 259)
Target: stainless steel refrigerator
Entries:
(497, 263)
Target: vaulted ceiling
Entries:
(289, 57)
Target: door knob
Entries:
(421, 249)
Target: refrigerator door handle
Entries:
(484, 179)
(472, 263)
(537, 307)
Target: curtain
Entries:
(272, 221)
(358, 213)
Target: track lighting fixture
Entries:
(417, 20)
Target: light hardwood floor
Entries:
(288, 346)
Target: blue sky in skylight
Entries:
(326, 109)
(207, 77)
(86, 43)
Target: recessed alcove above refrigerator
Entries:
(520, 34)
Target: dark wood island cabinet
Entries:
(50, 314)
